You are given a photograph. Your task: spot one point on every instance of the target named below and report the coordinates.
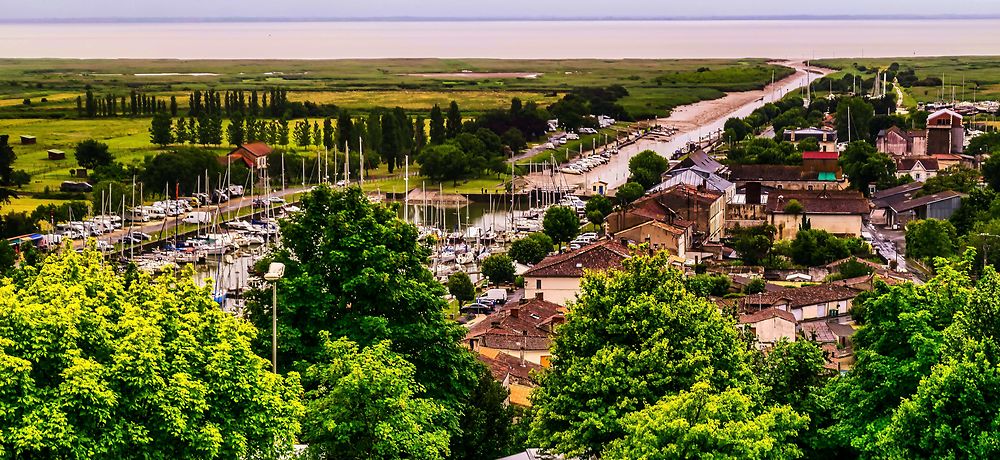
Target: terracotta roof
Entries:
(898, 190)
(681, 194)
(820, 155)
(520, 395)
(820, 201)
(908, 163)
(765, 173)
(766, 314)
(841, 330)
(503, 365)
(798, 297)
(700, 159)
(818, 331)
(529, 324)
(602, 255)
(673, 229)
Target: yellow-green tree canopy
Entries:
(94, 365)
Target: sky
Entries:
(83, 9)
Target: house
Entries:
(896, 142)
(747, 208)
(770, 325)
(695, 177)
(834, 338)
(810, 303)
(918, 168)
(839, 212)
(883, 198)
(522, 329)
(827, 138)
(557, 277)
(254, 155)
(937, 206)
(785, 177)
(706, 208)
(28, 140)
(599, 187)
(660, 236)
(945, 133)
(703, 161)
(824, 166)
(56, 154)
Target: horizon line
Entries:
(237, 19)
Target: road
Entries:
(694, 123)
(890, 244)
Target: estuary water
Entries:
(661, 39)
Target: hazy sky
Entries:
(63, 9)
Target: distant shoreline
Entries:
(180, 20)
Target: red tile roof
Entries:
(529, 324)
(602, 255)
(766, 314)
(502, 365)
(820, 155)
(908, 163)
(798, 297)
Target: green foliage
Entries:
(930, 238)
(98, 367)
(991, 172)
(818, 247)
(599, 203)
(91, 154)
(646, 168)
(365, 404)
(184, 168)
(755, 286)
(753, 244)
(764, 151)
(864, 165)
(708, 285)
(793, 207)
(984, 144)
(498, 268)
(460, 286)
(531, 249)
(957, 178)
(926, 373)
(161, 129)
(355, 270)
(809, 144)
(851, 268)
(561, 224)
(8, 259)
(641, 329)
(854, 115)
(702, 423)
(629, 192)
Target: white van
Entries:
(198, 217)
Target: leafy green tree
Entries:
(794, 207)
(985, 144)
(444, 162)
(236, 131)
(460, 286)
(813, 248)
(365, 404)
(755, 286)
(753, 243)
(328, 133)
(854, 117)
(930, 238)
(701, 423)
(991, 172)
(438, 132)
(514, 139)
(595, 218)
(531, 249)
(646, 168)
(7, 159)
(957, 178)
(8, 259)
(708, 285)
(561, 224)
(161, 129)
(490, 430)
(809, 144)
(599, 203)
(91, 154)
(498, 268)
(419, 134)
(96, 366)
(20, 178)
(345, 130)
(738, 129)
(454, 125)
(629, 192)
(355, 270)
(864, 165)
(641, 329)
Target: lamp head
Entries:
(275, 271)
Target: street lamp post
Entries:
(274, 273)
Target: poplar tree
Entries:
(173, 106)
(419, 135)
(236, 132)
(160, 129)
(438, 132)
(328, 133)
(454, 120)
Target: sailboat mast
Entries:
(406, 189)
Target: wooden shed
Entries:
(57, 154)
(28, 140)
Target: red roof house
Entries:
(254, 155)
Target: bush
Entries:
(755, 286)
(498, 268)
(460, 286)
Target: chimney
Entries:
(523, 301)
(514, 311)
(540, 295)
(472, 344)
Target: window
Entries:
(834, 313)
(538, 284)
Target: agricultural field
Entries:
(967, 74)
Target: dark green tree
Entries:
(629, 192)
(91, 154)
(460, 286)
(864, 165)
(454, 125)
(561, 224)
(498, 268)
(438, 132)
(930, 238)
(646, 168)
(161, 129)
(531, 249)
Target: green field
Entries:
(655, 86)
(965, 73)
